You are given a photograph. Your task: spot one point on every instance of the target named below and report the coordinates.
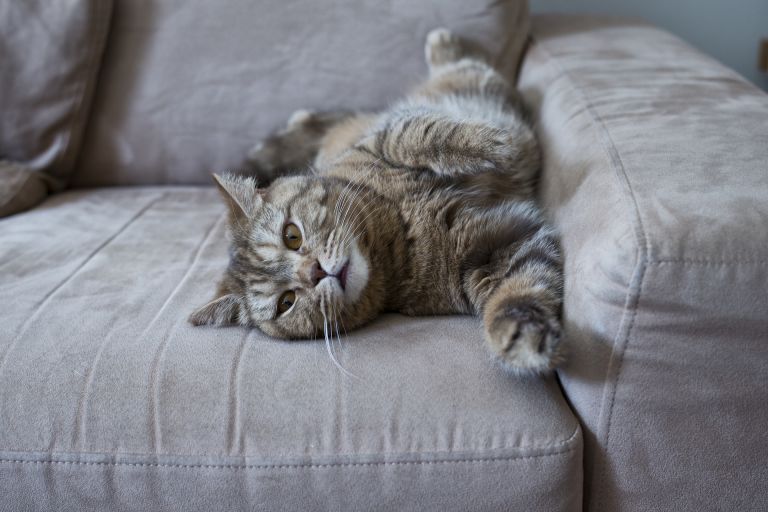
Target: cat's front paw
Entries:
(524, 339)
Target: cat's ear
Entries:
(241, 194)
(224, 310)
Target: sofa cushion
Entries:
(110, 400)
(49, 57)
(189, 86)
(656, 174)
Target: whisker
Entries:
(340, 199)
(356, 229)
(344, 200)
(366, 203)
(328, 339)
(350, 199)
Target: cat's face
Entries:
(300, 259)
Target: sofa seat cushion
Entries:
(110, 400)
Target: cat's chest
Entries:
(432, 283)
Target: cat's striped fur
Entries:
(434, 197)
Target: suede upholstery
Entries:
(49, 58)
(110, 400)
(656, 174)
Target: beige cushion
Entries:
(190, 85)
(110, 400)
(656, 173)
(49, 57)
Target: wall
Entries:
(728, 30)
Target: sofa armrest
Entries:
(656, 174)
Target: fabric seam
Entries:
(570, 440)
(705, 261)
(511, 458)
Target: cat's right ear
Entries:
(224, 310)
(241, 194)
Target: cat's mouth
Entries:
(353, 274)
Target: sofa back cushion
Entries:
(49, 57)
(189, 86)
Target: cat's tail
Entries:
(291, 150)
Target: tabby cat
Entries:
(424, 209)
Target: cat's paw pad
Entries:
(525, 339)
(443, 47)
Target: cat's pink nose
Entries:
(316, 273)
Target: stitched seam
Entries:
(705, 261)
(621, 341)
(557, 444)
(512, 458)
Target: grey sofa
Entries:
(655, 172)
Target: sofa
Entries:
(655, 173)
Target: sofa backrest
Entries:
(188, 86)
(50, 53)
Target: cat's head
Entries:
(301, 259)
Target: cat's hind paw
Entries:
(443, 47)
(524, 339)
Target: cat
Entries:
(424, 209)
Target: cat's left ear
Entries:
(224, 310)
(241, 194)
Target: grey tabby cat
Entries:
(424, 209)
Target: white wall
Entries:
(729, 30)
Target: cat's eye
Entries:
(292, 236)
(285, 302)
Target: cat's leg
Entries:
(295, 147)
(457, 68)
(463, 121)
(518, 293)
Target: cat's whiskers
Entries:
(358, 190)
(343, 223)
(340, 199)
(343, 201)
(328, 334)
(335, 326)
(354, 193)
(357, 229)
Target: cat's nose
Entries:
(316, 273)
